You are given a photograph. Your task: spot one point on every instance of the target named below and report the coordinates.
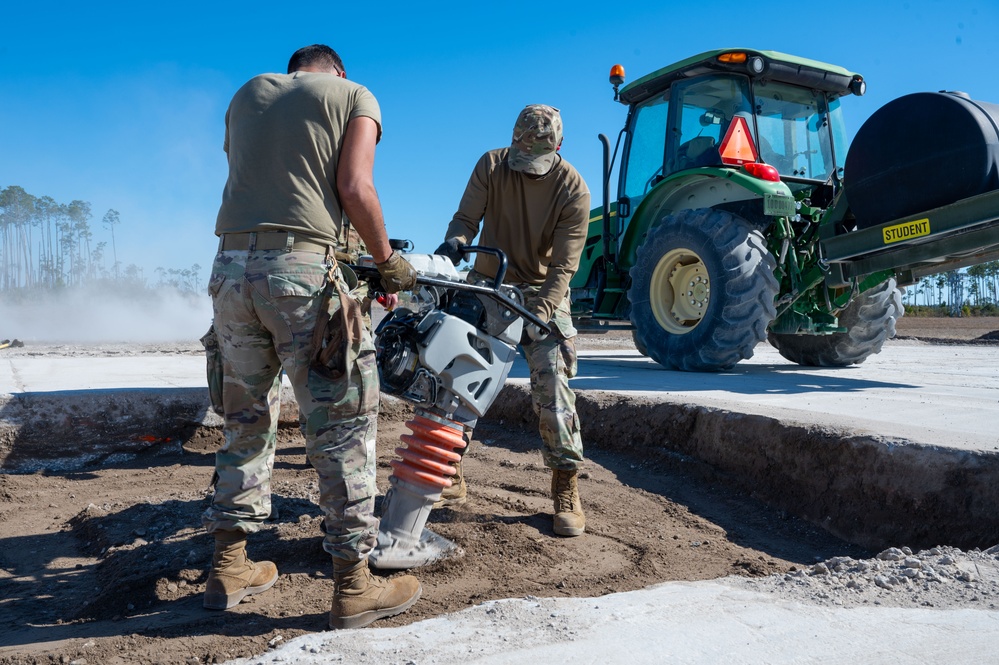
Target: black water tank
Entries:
(920, 152)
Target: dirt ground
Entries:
(107, 564)
(947, 330)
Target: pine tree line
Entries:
(974, 290)
(49, 245)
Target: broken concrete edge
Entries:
(65, 431)
(868, 490)
(68, 430)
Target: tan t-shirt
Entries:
(283, 136)
(540, 224)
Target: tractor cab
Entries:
(741, 109)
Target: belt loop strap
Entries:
(289, 243)
(253, 241)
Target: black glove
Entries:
(451, 248)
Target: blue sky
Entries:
(122, 104)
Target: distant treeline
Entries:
(46, 245)
(971, 291)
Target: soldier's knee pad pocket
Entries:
(567, 349)
(361, 482)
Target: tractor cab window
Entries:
(794, 132)
(703, 110)
(838, 129)
(647, 138)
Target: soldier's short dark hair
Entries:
(319, 55)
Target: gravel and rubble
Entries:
(939, 577)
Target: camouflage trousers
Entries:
(265, 306)
(552, 362)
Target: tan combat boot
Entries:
(360, 597)
(569, 517)
(457, 494)
(233, 576)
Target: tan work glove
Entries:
(397, 273)
(538, 307)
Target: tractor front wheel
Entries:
(869, 320)
(702, 291)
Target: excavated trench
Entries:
(868, 491)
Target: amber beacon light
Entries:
(754, 63)
(616, 78)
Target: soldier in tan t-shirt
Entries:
(301, 150)
(535, 207)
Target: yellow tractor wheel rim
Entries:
(680, 291)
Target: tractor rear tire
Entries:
(702, 291)
(869, 320)
(638, 343)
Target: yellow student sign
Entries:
(906, 231)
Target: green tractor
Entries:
(732, 222)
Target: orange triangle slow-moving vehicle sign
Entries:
(737, 147)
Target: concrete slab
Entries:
(701, 623)
(913, 392)
(50, 374)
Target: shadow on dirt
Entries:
(151, 559)
(700, 488)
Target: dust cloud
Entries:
(83, 316)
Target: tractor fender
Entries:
(710, 187)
